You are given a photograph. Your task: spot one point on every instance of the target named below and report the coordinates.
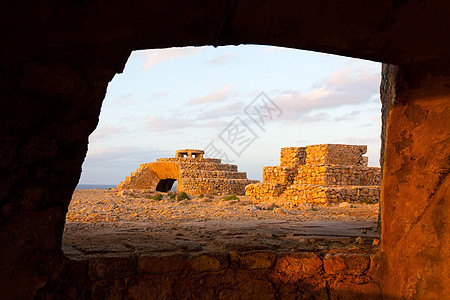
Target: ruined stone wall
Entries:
(312, 193)
(337, 175)
(198, 173)
(335, 154)
(292, 156)
(264, 191)
(279, 174)
(197, 186)
(194, 176)
(321, 173)
(188, 160)
(247, 275)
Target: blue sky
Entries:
(176, 98)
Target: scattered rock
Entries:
(270, 205)
(363, 231)
(205, 200)
(253, 207)
(360, 241)
(375, 242)
(344, 204)
(279, 211)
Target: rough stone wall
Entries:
(337, 175)
(247, 275)
(292, 156)
(416, 185)
(194, 176)
(187, 160)
(336, 154)
(277, 174)
(320, 178)
(197, 186)
(264, 190)
(197, 173)
(308, 193)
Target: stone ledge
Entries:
(234, 275)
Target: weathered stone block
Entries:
(346, 263)
(252, 260)
(206, 263)
(299, 263)
(335, 154)
(111, 267)
(161, 264)
(292, 156)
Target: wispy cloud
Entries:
(125, 100)
(222, 59)
(161, 123)
(222, 111)
(159, 55)
(160, 94)
(344, 87)
(105, 131)
(215, 96)
(354, 115)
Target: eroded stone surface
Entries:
(245, 275)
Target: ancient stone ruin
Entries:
(194, 174)
(319, 174)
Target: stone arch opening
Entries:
(165, 185)
(66, 64)
(161, 180)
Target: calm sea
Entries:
(95, 186)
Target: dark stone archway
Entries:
(58, 57)
(164, 185)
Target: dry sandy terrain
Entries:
(102, 221)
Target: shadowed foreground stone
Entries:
(246, 275)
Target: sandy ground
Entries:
(108, 221)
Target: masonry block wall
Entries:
(319, 174)
(194, 176)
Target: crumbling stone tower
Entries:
(194, 174)
(319, 174)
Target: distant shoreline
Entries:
(95, 186)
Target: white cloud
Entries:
(222, 59)
(344, 87)
(215, 96)
(354, 115)
(160, 123)
(159, 55)
(160, 94)
(105, 131)
(222, 111)
(125, 100)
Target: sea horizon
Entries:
(82, 186)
